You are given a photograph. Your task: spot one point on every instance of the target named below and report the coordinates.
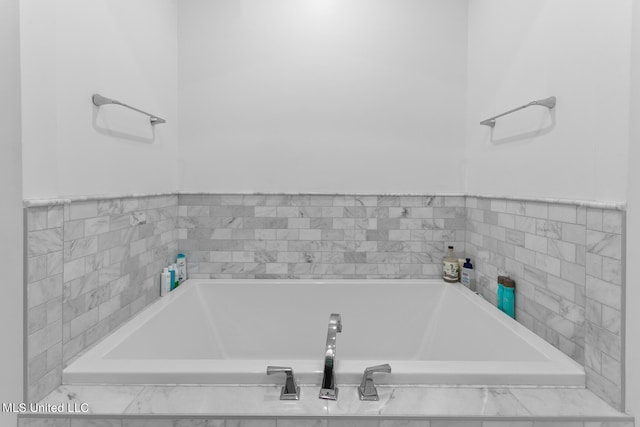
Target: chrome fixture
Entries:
(328, 389)
(547, 102)
(99, 100)
(290, 390)
(367, 389)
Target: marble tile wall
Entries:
(92, 265)
(567, 263)
(44, 281)
(315, 236)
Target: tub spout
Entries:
(328, 389)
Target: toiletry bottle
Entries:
(182, 268)
(509, 297)
(468, 278)
(450, 267)
(172, 278)
(165, 282)
(500, 294)
(175, 277)
(460, 264)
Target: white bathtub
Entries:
(228, 331)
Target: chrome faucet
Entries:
(328, 389)
(367, 389)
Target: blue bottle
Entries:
(172, 272)
(509, 297)
(500, 295)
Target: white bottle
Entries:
(181, 262)
(165, 282)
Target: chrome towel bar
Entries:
(99, 100)
(547, 102)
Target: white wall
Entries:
(126, 50)
(574, 49)
(10, 211)
(633, 231)
(322, 95)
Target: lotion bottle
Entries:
(165, 282)
(468, 277)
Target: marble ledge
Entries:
(620, 206)
(34, 203)
(395, 402)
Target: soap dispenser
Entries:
(467, 277)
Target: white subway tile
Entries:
(594, 265)
(561, 250)
(612, 270)
(604, 292)
(594, 219)
(605, 244)
(55, 216)
(612, 221)
(563, 213)
(307, 234)
(572, 272)
(535, 243)
(611, 319)
(574, 233)
(83, 210)
(549, 264)
(581, 215)
(537, 210)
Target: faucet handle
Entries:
(290, 390)
(367, 389)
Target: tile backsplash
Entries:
(314, 236)
(93, 264)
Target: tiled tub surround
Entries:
(567, 261)
(317, 236)
(91, 266)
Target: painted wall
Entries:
(633, 230)
(322, 95)
(11, 384)
(527, 50)
(121, 49)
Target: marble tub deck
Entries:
(201, 405)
